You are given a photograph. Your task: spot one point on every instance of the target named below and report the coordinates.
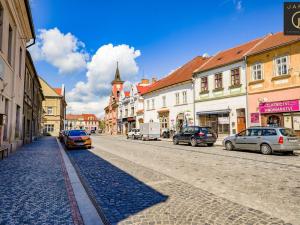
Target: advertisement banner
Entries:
(278, 107)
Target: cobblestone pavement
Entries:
(156, 183)
(33, 187)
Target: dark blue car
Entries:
(195, 135)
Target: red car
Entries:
(78, 139)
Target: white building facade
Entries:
(171, 106)
(222, 107)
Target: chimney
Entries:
(145, 81)
(153, 80)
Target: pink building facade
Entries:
(278, 108)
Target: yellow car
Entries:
(78, 139)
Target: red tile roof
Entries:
(73, 117)
(142, 89)
(274, 40)
(127, 93)
(57, 90)
(180, 75)
(229, 56)
(89, 117)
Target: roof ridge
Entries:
(258, 43)
(209, 59)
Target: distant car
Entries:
(93, 131)
(165, 133)
(195, 135)
(134, 134)
(264, 139)
(78, 138)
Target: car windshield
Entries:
(77, 133)
(206, 130)
(137, 130)
(288, 132)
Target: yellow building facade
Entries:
(273, 74)
(54, 109)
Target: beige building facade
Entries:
(54, 109)
(16, 34)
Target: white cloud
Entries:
(238, 5)
(63, 51)
(92, 95)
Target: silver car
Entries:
(264, 139)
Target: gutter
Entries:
(30, 22)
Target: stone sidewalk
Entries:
(35, 188)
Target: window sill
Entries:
(218, 89)
(256, 82)
(280, 77)
(180, 104)
(204, 92)
(235, 86)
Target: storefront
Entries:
(131, 123)
(163, 116)
(279, 113)
(218, 120)
(184, 119)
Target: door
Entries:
(184, 134)
(254, 140)
(241, 139)
(241, 123)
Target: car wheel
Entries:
(210, 144)
(290, 153)
(132, 137)
(127, 136)
(175, 141)
(266, 149)
(193, 142)
(229, 146)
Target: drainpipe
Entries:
(194, 105)
(247, 103)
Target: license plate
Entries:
(292, 140)
(209, 135)
(80, 144)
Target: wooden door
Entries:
(241, 124)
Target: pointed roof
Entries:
(117, 76)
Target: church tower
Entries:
(117, 84)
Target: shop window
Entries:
(273, 121)
(218, 81)
(256, 70)
(204, 84)
(281, 65)
(235, 77)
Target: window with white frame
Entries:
(148, 104)
(50, 110)
(177, 101)
(49, 128)
(164, 104)
(281, 65)
(256, 70)
(153, 103)
(184, 97)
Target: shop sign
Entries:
(254, 118)
(278, 107)
(223, 120)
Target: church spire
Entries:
(117, 76)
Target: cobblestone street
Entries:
(138, 182)
(34, 188)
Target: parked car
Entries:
(62, 135)
(134, 134)
(77, 138)
(264, 139)
(150, 131)
(165, 133)
(195, 135)
(93, 131)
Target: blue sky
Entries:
(167, 33)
